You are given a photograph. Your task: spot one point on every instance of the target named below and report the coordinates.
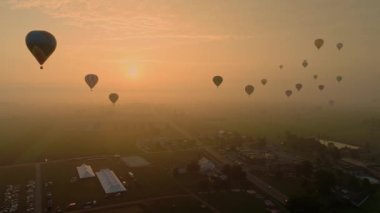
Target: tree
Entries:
(226, 169)
(261, 142)
(193, 166)
(204, 185)
(234, 172)
(325, 181)
(303, 204)
(175, 171)
(305, 169)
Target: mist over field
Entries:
(56, 131)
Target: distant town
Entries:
(199, 173)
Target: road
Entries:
(89, 157)
(135, 202)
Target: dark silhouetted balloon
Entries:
(321, 87)
(217, 80)
(305, 63)
(318, 43)
(264, 81)
(339, 78)
(41, 44)
(288, 93)
(91, 80)
(339, 46)
(113, 97)
(315, 76)
(249, 89)
(299, 86)
(281, 66)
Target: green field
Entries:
(129, 209)
(186, 205)
(235, 202)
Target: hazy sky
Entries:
(162, 50)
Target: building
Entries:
(85, 171)
(110, 182)
(206, 166)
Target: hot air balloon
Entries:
(281, 66)
(299, 86)
(321, 87)
(305, 63)
(318, 43)
(339, 78)
(288, 93)
(91, 80)
(264, 81)
(249, 89)
(217, 80)
(113, 97)
(339, 46)
(315, 76)
(41, 44)
(332, 102)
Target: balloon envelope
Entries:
(321, 87)
(41, 44)
(318, 43)
(299, 86)
(264, 81)
(305, 63)
(339, 78)
(91, 80)
(315, 76)
(288, 93)
(217, 80)
(113, 97)
(249, 89)
(281, 66)
(339, 46)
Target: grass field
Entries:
(287, 186)
(129, 209)
(16, 175)
(185, 205)
(235, 202)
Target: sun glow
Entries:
(132, 72)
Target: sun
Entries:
(132, 72)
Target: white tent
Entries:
(85, 171)
(110, 182)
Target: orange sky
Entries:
(160, 50)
